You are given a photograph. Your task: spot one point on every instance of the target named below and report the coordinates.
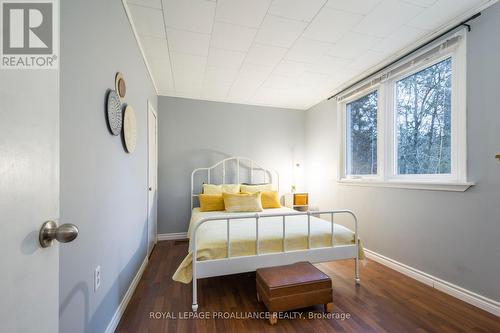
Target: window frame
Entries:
(343, 137)
(387, 175)
(345, 131)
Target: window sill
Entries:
(412, 185)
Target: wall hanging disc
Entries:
(120, 85)
(114, 112)
(129, 129)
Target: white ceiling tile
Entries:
(328, 65)
(290, 68)
(188, 42)
(189, 80)
(232, 37)
(270, 97)
(277, 82)
(146, 3)
(313, 79)
(193, 93)
(432, 17)
(219, 75)
(188, 83)
(215, 92)
(265, 54)
(279, 31)
(331, 24)
(192, 15)
(387, 17)
(244, 88)
(422, 3)
(154, 47)
(352, 45)
(307, 50)
(242, 12)
(188, 60)
(341, 77)
(402, 37)
(225, 58)
(257, 72)
(188, 71)
(367, 59)
(148, 21)
(354, 6)
(162, 73)
(303, 10)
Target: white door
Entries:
(29, 195)
(152, 175)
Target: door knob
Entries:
(150, 188)
(64, 233)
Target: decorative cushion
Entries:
(211, 202)
(270, 199)
(256, 188)
(218, 189)
(242, 202)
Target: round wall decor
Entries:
(129, 129)
(114, 112)
(120, 86)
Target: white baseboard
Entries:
(126, 298)
(172, 236)
(451, 289)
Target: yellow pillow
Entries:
(211, 202)
(218, 189)
(242, 202)
(270, 199)
(256, 188)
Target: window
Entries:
(423, 121)
(362, 135)
(406, 127)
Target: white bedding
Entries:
(212, 235)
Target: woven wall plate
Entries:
(120, 86)
(114, 112)
(129, 129)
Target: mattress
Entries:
(212, 236)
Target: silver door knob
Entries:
(64, 233)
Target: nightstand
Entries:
(297, 201)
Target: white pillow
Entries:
(218, 189)
(256, 188)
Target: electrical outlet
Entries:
(97, 278)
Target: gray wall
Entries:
(103, 189)
(195, 133)
(453, 236)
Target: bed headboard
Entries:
(233, 170)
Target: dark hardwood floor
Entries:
(386, 301)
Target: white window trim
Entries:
(343, 132)
(386, 145)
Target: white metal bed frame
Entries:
(242, 264)
(270, 176)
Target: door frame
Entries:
(152, 110)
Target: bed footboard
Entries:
(241, 264)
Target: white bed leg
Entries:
(195, 296)
(356, 271)
(195, 283)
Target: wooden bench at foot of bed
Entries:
(295, 286)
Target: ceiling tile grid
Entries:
(282, 53)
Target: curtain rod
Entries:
(463, 23)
